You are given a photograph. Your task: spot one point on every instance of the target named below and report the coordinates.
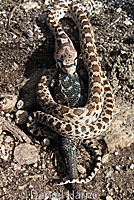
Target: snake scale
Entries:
(91, 120)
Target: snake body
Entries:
(90, 120)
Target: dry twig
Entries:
(14, 130)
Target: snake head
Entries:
(66, 58)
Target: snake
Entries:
(86, 122)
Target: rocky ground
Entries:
(29, 166)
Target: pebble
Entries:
(29, 5)
(16, 166)
(37, 28)
(119, 10)
(20, 104)
(15, 66)
(117, 168)
(127, 22)
(14, 36)
(7, 115)
(46, 197)
(31, 186)
(132, 166)
(43, 166)
(54, 198)
(2, 12)
(22, 187)
(35, 165)
(123, 52)
(25, 173)
(40, 36)
(0, 128)
(47, 2)
(81, 169)
(29, 33)
(109, 173)
(119, 86)
(26, 154)
(109, 198)
(116, 153)
(46, 142)
(129, 158)
(2, 148)
(8, 139)
(105, 158)
(8, 103)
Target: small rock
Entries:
(54, 198)
(29, 33)
(109, 173)
(109, 198)
(47, 2)
(116, 153)
(20, 104)
(46, 142)
(105, 158)
(123, 52)
(22, 187)
(81, 169)
(117, 168)
(15, 66)
(29, 5)
(119, 10)
(127, 22)
(8, 116)
(21, 116)
(37, 28)
(46, 197)
(26, 154)
(0, 128)
(25, 174)
(132, 166)
(1, 139)
(8, 139)
(4, 189)
(30, 186)
(16, 166)
(8, 103)
(129, 158)
(43, 166)
(35, 165)
(2, 148)
(40, 36)
(14, 36)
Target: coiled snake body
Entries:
(90, 120)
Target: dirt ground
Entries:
(30, 166)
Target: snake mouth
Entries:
(69, 69)
(69, 66)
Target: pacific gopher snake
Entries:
(89, 121)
